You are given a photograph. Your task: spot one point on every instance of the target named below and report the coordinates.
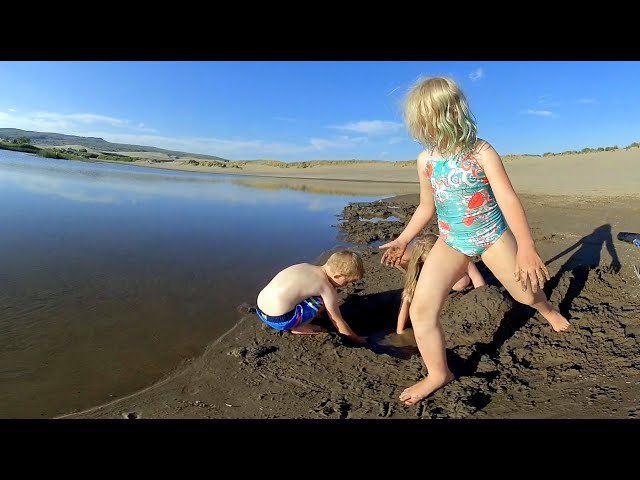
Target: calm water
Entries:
(112, 275)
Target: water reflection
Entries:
(329, 187)
(117, 184)
(114, 274)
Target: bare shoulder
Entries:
(484, 151)
(303, 277)
(482, 146)
(424, 156)
(310, 270)
(299, 271)
(296, 267)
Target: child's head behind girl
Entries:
(419, 252)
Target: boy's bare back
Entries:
(291, 286)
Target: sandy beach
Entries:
(508, 362)
(599, 173)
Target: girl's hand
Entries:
(531, 268)
(393, 252)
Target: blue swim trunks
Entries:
(304, 312)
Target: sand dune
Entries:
(600, 173)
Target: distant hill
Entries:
(59, 139)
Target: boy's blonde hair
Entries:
(437, 115)
(421, 249)
(347, 263)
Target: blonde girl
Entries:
(463, 180)
(413, 268)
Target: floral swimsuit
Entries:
(469, 218)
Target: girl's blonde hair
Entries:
(437, 115)
(421, 249)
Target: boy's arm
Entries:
(475, 275)
(330, 299)
(403, 315)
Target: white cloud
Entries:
(394, 140)
(546, 101)
(143, 128)
(340, 142)
(11, 109)
(383, 154)
(71, 124)
(83, 118)
(476, 75)
(137, 133)
(587, 100)
(233, 149)
(540, 113)
(370, 127)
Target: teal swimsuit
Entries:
(469, 218)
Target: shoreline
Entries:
(527, 371)
(233, 172)
(589, 175)
(508, 365)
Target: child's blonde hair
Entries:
(421, 249)
(347, 263)
(437, 115)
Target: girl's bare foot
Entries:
(557, 321)
(424, 388)
(308, 329)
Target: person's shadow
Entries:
(585, 257)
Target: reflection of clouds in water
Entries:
(319, 204)
(45, 185)
(54, 188)
(107, 183)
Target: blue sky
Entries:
(316, 110)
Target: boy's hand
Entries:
(356, 339)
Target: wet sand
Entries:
(508, 362)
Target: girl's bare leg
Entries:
(442, 268)
(461, 284)
(500, 258)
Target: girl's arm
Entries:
(419, 220)
(403, 315)
(426, 209)
(529, 265)
(476, 277)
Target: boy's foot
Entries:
(557, 321)
(424, 388)
(308, 329)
